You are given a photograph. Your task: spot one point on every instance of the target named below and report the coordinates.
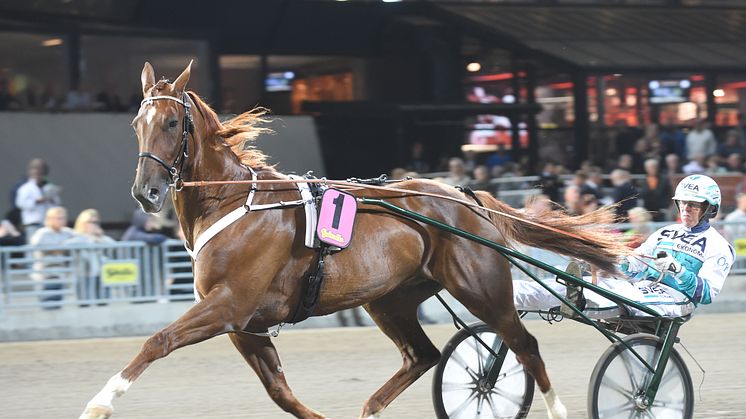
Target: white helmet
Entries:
(699, 188)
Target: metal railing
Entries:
(85, 274)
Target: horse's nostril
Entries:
(153, 192)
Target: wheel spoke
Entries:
(613, 385)
(616, 410)
(493, 408)
(476, 346)
(516, 369)
(480, 402)
(670, 405)
(668, 375)
(516, 399)
(455, 413)
(456, 357)
(630, 367)
(450, 386)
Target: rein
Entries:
(174, 172)
(352, 185)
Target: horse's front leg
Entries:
(260, 353)
(214, 315)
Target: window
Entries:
(111, 81)
(32, 70)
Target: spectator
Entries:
(10, 230)
(580, 179)
(482, 181)
(470, 161)
(36, 196)
(737, 231)
(734, 163)
(572, 201)
(696, 166)
(625, 162)
(456, 173)
(673, 165)
(88, 231)
(595, 183)
(625, 194)
(142, 228)
(398, 173)
(731, 145)
(639, 154)
(357, 318)
(54, 232)
(713, 167)
(498, 158)
(7, 100)
(673, 141)
(588, 203)
(655, 191)
(549, 181)
(537, 205)
(700, 141)
(77, 100)
(417, 162)
(640, 219)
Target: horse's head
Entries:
(163, 126)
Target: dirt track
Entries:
(332, 370)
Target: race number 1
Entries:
(336, 218)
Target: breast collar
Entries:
(234, 216)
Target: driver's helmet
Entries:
(699, 188)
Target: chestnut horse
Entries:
(249, 276)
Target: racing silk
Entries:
(705, 255)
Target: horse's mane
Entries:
(238, 133)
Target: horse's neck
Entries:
(196, 206)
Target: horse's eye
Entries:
(173, 124)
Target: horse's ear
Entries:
(181, 81)
(147, 77)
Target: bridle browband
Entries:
(176, 168)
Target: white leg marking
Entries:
(115, 387)
(555, 408)
(373, 416)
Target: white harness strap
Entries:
(239, 212)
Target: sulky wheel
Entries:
(461, 386)
(618, 383)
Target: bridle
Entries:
(176, 168)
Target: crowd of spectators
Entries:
(79, 99)
(639, 181)
(37, 217)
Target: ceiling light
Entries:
(473, 67)
(718, 92)
(51, 42)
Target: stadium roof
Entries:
(617, 38)
(625, 35)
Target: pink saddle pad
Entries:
(336, 218)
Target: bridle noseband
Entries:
(176, 168)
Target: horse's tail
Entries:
(580, 237)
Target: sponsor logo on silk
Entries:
(686, 238)
(329, 235)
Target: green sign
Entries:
(120, 273)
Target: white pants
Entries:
(529, 295)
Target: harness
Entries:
(177, 167)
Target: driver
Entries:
(675, 269)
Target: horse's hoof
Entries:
(97, 412)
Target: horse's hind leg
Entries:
(396, 315)
(261, 354)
